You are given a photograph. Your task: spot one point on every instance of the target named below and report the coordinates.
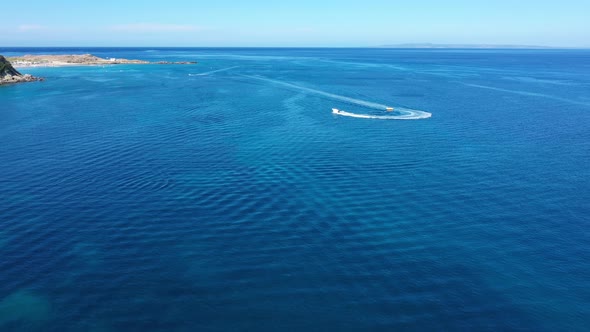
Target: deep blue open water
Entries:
(194, 198)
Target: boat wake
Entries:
(406, 114)
(213, 71)
(321, 93)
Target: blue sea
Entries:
(226, 195)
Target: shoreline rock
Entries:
(10, 79)
(9, 75)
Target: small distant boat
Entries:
(335, 111)
(389, 109)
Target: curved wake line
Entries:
(322, 93)
(213, 71)
(408, 114)
(530, 94)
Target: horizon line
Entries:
(401, 46)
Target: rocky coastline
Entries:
(9, 75)
(59, 60)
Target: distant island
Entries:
(473, 46)
(9, 75)
(60, 60)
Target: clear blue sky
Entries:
(295, 23)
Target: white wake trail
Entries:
(322, 93)
(213, 71)
(407, 114)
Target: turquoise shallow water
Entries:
(226, 196)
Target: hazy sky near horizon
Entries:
(296, 23)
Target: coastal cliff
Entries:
(10, 75)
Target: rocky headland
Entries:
(9, 75)
(80, 60)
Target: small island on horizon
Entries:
(469, 46)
